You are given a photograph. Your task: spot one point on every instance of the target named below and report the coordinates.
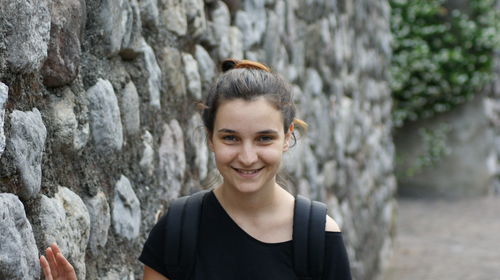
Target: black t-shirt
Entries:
(227, 252)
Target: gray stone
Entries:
(195, 13)
(25, 32)
(172, 162)
(4, 94)
(26, 145)
(174, 16)
(197, 139)
(171, 65)
(18, 251)
(64, 123)
(313, 84)
(64, 219)
(150, 14)
(126, 210)
(147, 159)
(153, 73)
(130, 109)
(100, 220)
(121, 23)
(205, 64)
(63, 61)
(104, 117)
(192, 75)
(231, 45)
(221, 18)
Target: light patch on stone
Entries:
(126, 210)
(18, 251)
(64, 219)
(147, 159)
(206, 65)
(100, 220)
(174, 16)
(172, 163)
(4, 94)
(130, 109)
(154, 74)
(192, 75)
(26, 146)
(27, 25)
(197, 139)
(105, 117)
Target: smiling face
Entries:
(248, 142)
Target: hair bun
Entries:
(229, 64)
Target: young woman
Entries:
(246, 222)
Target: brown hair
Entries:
(248, 80)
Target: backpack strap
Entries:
(183, 220)
(309, 220)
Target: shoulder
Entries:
(331, 225)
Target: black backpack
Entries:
(183, 219)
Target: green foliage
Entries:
(441, 58)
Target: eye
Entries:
(265, 138)
(229, 138)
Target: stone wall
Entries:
(98, 128)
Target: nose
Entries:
(247, 155)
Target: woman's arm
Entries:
(55, 266)
(151, 274)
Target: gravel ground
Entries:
(446, 240)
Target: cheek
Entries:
(223, 155)
(272, 155)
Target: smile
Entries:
(248, 171)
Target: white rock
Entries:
(147, 159)
(104, 115)
(26, 145)
(126, 210)
(172, 159)
(130, 109)
(206, 65)
(4, 94)
(100, 220)
(154, 74)
(192, 75)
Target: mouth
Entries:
(247, 172)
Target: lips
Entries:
(247, 172)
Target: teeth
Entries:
(248, 171)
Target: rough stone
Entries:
(252, 21)
(100, 220)
(64, 219)
(121, 23)
(63, 60)
(205, 64)
(172, 159)
(192, 75)
(171, 65)
(197, 139)
(26, 145)
(174, 16)
(231, 44)
(4, 94)
(153, 72)
(130, 109)
(195, 13)
(25, 32)
(126, 210)
(18, 251)
(150, 14)
(64, 123)
(147, 159)
(105, 118)
(221, 21)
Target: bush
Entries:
(441, 57)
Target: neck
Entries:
(255, 202)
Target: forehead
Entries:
(240, 114)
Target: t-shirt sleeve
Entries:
(336, 259)
(154, 248)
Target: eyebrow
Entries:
(267, 131)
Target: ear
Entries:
(288, 136)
